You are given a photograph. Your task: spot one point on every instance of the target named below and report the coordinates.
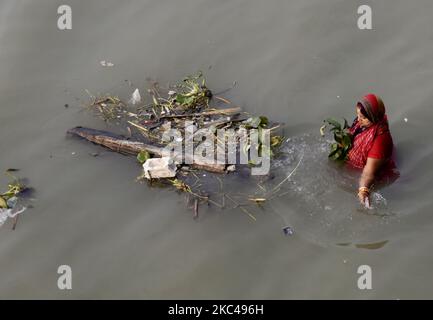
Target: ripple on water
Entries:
(319, 200)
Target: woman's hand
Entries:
(369, 172)
(364, 196)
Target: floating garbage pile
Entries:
(10, 200)
(180, 134)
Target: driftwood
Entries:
(120, 144)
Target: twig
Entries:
(187, 199)
(290, 174)
(275, 127)
(240, 207)
(221, 183)
(15, 222)
(196, 209)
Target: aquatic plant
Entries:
(9, 198)
(109, 108)
(343, 140)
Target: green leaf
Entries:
(334, 122)
(276, 141)
(347, 141)
(184, 99)
(346, 125)
(343, 140)
(338, 154)
(263, 121)
(155, 101)
(143, 156)
(251, 163)
(334, 146)
(3, 203)
(332, 153)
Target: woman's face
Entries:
(363, 121)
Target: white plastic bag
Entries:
(136, 97)
(9, 213)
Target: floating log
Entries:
(120, 144)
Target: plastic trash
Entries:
(136, 97)
(156, 168)
(12, 202)
(288, 231)
(106, 63)
(231, 168)
(9, 213)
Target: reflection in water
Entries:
(371, 246)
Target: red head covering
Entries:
(372, 107)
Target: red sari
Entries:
(374, 141)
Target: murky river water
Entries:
(295, 61)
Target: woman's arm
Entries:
(368, 175)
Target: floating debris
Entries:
(288, 231)
(143, 156)
(136, 97)
(231, 168)
(157, 168)
(258, 200)
(186, 108)
(108, 107)
(9, 207)
(10, 213)
(106, 63)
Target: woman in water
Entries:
(372, 145)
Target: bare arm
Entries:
(370, 171)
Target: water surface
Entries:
(295, 61)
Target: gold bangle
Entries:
(364, 189)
